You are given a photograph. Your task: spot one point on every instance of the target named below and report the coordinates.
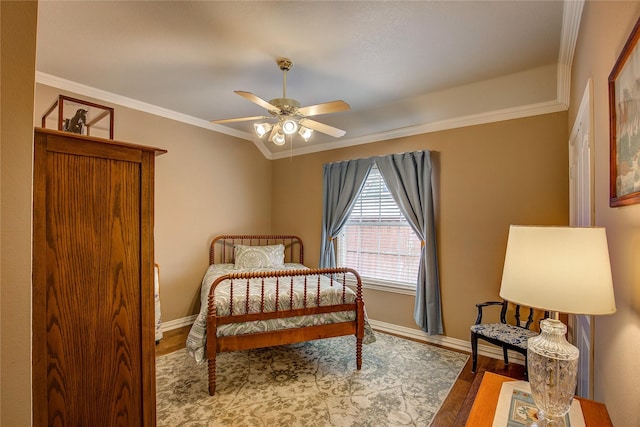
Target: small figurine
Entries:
(77, 122)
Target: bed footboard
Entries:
(312, 304)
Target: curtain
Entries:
(408, 178)
(342, 183)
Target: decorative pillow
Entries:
(259, 256)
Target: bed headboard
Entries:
(221, 250)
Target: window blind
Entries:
(377, 240)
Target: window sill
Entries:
(386, 287)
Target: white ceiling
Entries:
(398, 64)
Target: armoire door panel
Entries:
(94, 262)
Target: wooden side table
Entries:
(484, 404)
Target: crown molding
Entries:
(572, 13)
(571, 16)
(81, 89)
(453, 123)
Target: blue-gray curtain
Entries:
(408, 178)
(342, 183)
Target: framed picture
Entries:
(624, 124)
(77, 116)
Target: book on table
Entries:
(516, 407)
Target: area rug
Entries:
(402, 383)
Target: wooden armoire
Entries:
(93, 307)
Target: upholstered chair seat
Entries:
(509, 337)
(508, 334)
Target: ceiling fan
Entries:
(289, 116)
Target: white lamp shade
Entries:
(562, 269)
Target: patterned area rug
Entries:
(402, 383)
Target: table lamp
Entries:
(557, 269)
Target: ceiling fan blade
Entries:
(257, 100)
(240, 119)
(324, 108)
(321, 127)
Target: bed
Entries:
(258, 293)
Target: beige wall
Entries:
(18, 38)
(486, 177)
(604, 30)
(206, 184)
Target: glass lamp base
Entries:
(553, 369)
(548, 422)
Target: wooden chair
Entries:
(503, 334)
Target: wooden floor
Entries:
(452, 406)
(172, 340)
(447, 416)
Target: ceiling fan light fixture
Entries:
(262, 128)
(278, 138)
(305, 133)
(289, 126)
(287, 116)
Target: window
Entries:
(378, 241)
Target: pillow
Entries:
(259, 256)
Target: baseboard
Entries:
(178, 323)
(453, 343)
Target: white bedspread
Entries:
(330, 293)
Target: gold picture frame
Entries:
(624, 124)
